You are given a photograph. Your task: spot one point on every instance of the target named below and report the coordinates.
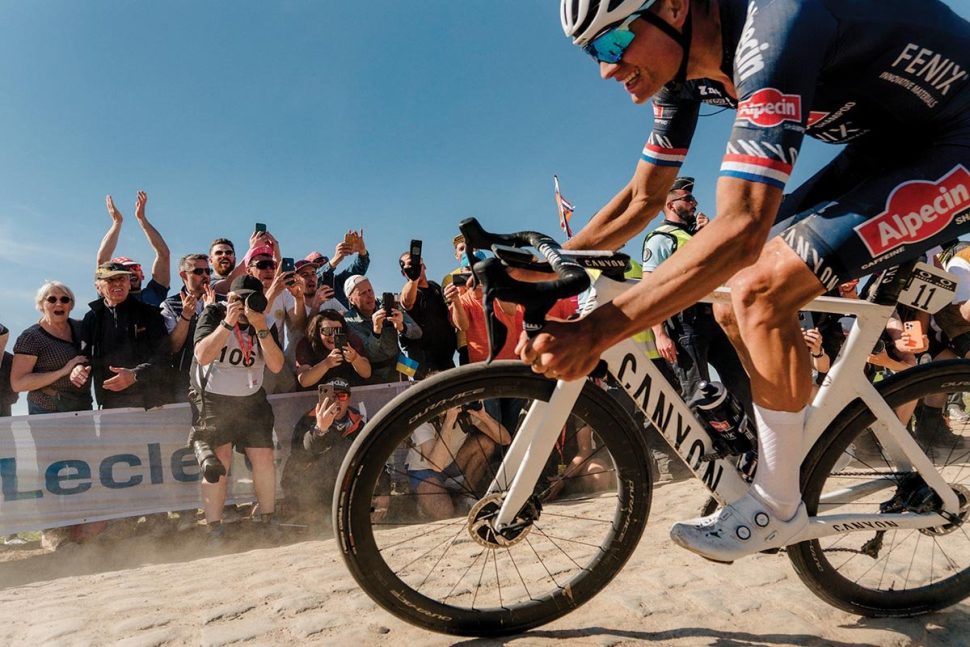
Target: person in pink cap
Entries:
(155, 291)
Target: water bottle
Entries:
(724, 419)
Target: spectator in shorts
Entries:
(378, 330)
(330, 350)
(126, 343)
(320, 443)
(327, 274)
(181, 313)
(48, 354)
(425, 302)
(451, 457)
(233, 344)
(157, 288)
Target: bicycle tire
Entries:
(880, 587)
(398, 592)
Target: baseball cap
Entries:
(340, 384)
(123, 260)
(316, 259)
(352, 282)
(683, 184)
(109, 269)
(246, 284)
(263, 250)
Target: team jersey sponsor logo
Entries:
(658, 112)
(930, 67)
(748, 57)
(770, 107)
(815, 116)
(917, 210)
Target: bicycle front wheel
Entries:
(418, 541)
(886, 571)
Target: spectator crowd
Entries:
(246, 324)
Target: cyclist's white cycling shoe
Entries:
(738, 529)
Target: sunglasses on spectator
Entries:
(265, 265)
(686, 198)
(329, 331)
(340, 395)
(53, 299)
(223, 252)
(610, 44)
(199, 271)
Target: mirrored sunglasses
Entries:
(265, 265)
(328, 330)
(53, 299)
(611, 43)
(343, 397)
(199, 271)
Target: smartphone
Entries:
(805, 321)
(460, 280)
(288, 265)
(415, 250)
(915, 330)
(260, 228)
(350, 238)
(387, 302)
(325, 391)
(340, 340)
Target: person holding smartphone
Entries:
(379, 326)
(424, 300)
(330, 351)
(320, 441)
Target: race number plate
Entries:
(929, 289)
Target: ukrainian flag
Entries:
(406, 365)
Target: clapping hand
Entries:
(140, 203)
(113, 210)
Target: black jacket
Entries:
(132, 335)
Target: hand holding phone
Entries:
(325, 392)
(387, 302)
(260, 228)
(288, 265)
(915, 337)
(414, 272)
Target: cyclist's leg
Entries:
(888, 214)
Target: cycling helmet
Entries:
(584, 19)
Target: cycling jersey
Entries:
(889, 77)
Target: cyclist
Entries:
(887, 77)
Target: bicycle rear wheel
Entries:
(422, 554)
(893, 572)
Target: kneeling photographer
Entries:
(320, 441)
(233, 345)
(452, 457)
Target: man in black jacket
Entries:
(126, 341)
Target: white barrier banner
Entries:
(66, 468)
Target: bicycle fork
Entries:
(531, 446)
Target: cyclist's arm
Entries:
(733, 240)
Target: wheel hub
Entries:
(481, 520)
(963, 494)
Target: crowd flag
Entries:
(565, 209)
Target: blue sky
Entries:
(313, 117)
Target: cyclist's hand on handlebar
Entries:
(553, 352)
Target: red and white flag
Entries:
(565, 209)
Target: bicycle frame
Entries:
(661, 403)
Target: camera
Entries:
(256, 301)
(212, 467)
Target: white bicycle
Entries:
(561, 509)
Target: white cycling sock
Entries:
(779, 451)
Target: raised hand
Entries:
(208, 294)
(189, 302)
(113, 210)
(140, 203)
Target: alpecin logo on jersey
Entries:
(917, 210)
(768, 108)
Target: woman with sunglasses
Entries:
(330, 350)
(47, 353)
